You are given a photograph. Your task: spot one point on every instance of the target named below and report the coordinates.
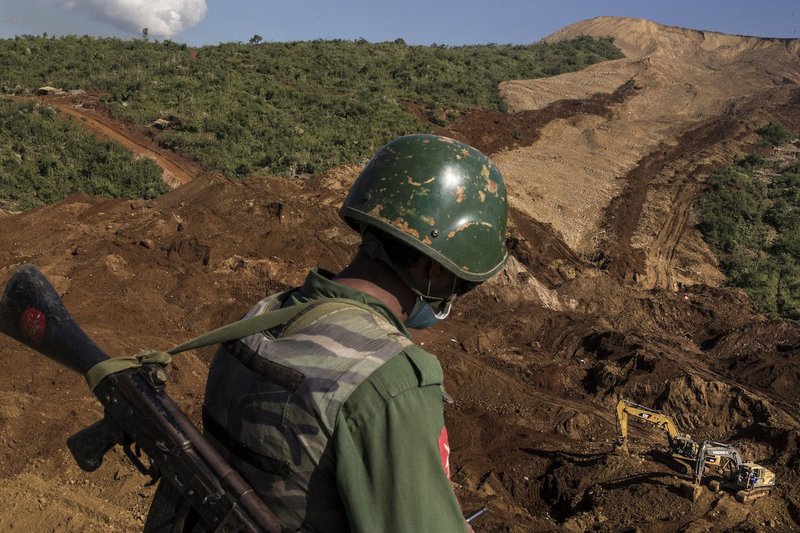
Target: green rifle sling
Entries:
(295, 318)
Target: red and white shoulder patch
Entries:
(444, 451)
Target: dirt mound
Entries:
(493, 131)
(762, 355)
(609, 293)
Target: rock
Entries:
(49, 91)
(160, 124)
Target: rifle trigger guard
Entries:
(134, 452)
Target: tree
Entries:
(255, 39)
(145, 33)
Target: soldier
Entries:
(335, 417)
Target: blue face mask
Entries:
(423, 316)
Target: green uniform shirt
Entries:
(382, 453)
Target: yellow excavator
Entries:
(749, 480)
(681, 446)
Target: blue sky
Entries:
(199, 22)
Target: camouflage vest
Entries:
(272, 402)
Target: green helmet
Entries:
(439, 196)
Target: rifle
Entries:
(138, 413)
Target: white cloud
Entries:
(162, 18)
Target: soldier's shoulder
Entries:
(410, 369)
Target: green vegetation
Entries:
(285, 108)
(750, 215)
(773, 135)
(44, 159)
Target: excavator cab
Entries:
(752, 476)
(684, 448)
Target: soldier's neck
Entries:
(376, 279)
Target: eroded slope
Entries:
(695, 88)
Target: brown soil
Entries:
(618, 301)
(493, 131)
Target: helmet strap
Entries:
(445, 304)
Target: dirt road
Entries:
(178, 170)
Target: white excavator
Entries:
(749, 480)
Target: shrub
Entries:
(773, 134)
(284, 108)
(44, 159)
(731, 211)
(754, 225)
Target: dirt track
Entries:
(177, 170)
(535, 358)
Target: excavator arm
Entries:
(645, 414)
(718, 450)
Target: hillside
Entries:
(282, 109)
(702, 90)
(610, 293)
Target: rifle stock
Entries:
(137, 410)
(32, 313)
